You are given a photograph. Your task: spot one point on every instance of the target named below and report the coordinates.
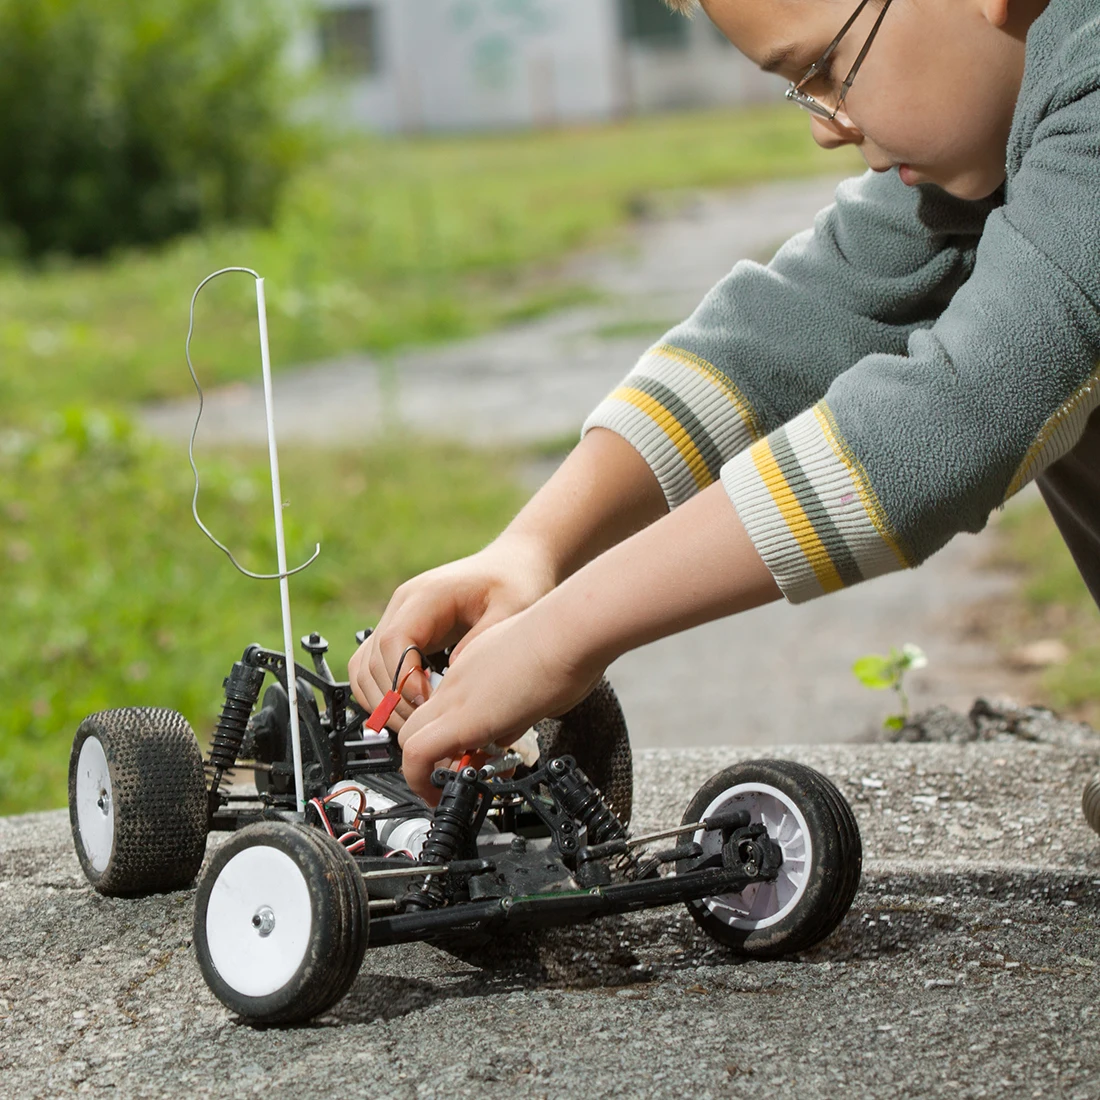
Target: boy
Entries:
(886, 381)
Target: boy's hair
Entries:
(684, 7)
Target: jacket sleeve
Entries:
(907, 448)
(766, 342)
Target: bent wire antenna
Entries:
(284, 574)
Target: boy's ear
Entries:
(995, 11)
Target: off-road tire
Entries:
(1090, 803)
(834, 869)
(338, 932)
(594, 733)
(157, 800)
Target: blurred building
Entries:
(400, 65)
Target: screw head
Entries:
(263, 920)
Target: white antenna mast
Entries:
(283, 575)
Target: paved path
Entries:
(969, 966)
(775, 675)
(534, 381)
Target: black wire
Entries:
(404, 809)
(408, 650)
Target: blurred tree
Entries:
(128, 121)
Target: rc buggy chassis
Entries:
(767, 856)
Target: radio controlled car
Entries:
(330, 851)
(767, 856)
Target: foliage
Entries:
(380, 244)
(112, 597)
(881, 673)
(131, 121)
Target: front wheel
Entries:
(281, 922)
(816, 830)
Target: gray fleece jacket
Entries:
(901, 369)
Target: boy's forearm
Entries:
(602, 493)
(694, 565)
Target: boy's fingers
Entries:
(362, 682)
(487, 620)
(428, 746)
(417, 689)
(370, 682)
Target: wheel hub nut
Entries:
(104, 802)
(264, 920)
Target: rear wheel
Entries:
(137, 801)
(594, 734)
(1090, 803)
(822, 858)
(281, 923)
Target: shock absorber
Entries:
(242, 689)
(583, 802)
(448, 837)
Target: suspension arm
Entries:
(535, 911)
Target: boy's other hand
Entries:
(504, 681)
(445, 607)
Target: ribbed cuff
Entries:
(682, 415)
(810, 511)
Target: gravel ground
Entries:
(967, 966)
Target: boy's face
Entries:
(935, 93)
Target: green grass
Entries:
(381, 244)
(641, 328)
(1053, 603)
(113, 598)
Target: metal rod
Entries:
(636, 840)
(406, 872)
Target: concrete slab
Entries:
(969, 966)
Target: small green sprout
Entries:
(879, 673)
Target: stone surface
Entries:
(967, 967)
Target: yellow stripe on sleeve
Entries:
(667, 422)
(795, 517)
(867, 496)
(715, 377)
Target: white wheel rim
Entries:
(95, 808)
(762, 903)
(258, 921)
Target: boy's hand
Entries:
(511, 676)
(447, 606)
(694, 565)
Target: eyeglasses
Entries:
(820, 68)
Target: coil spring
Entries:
(242, 689)
(448, 836)
(583, 802)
